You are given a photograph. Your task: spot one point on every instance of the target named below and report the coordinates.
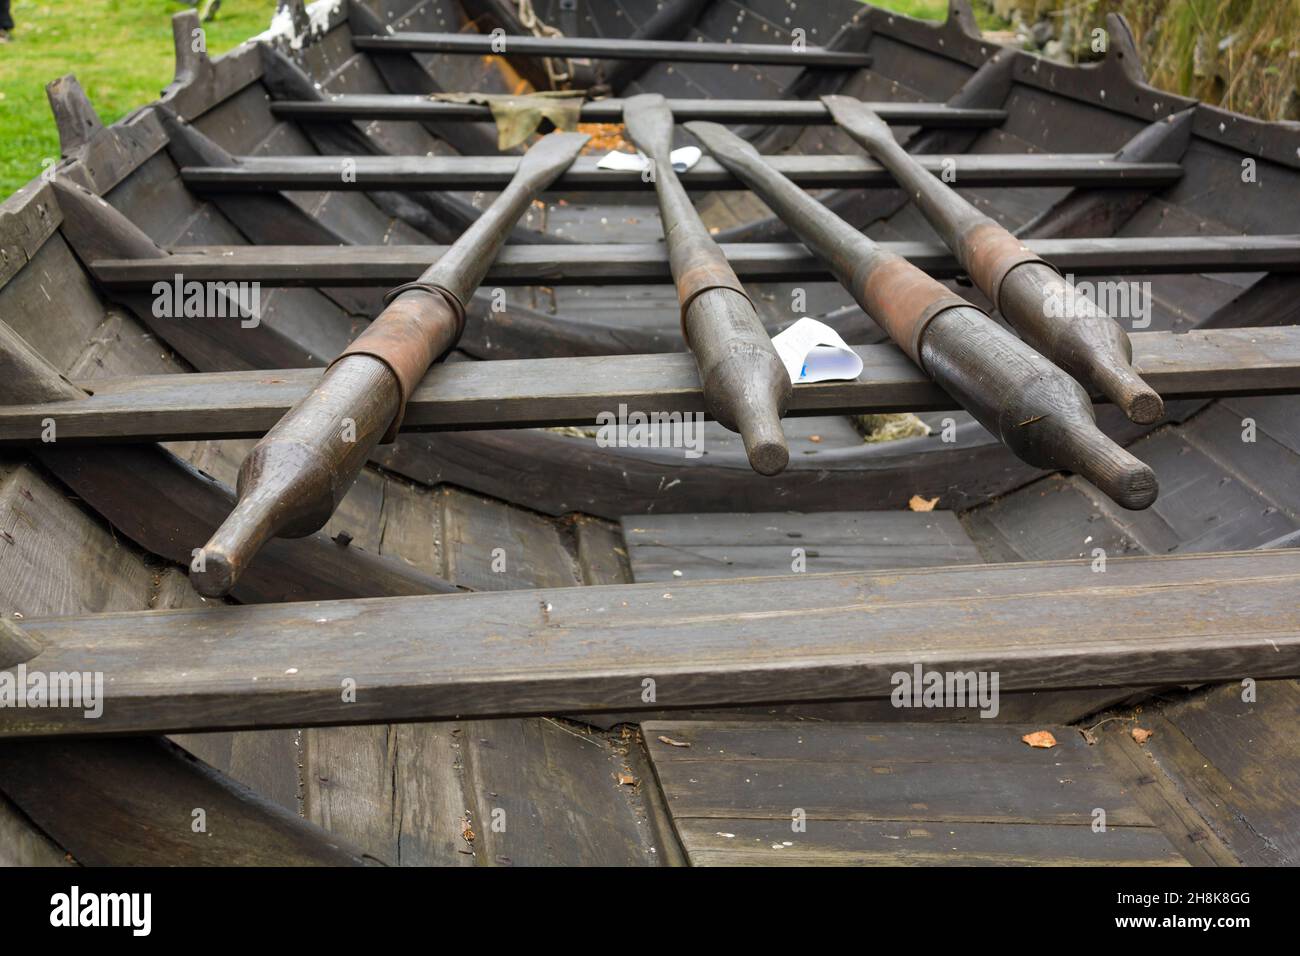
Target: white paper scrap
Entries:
(814, 352)
(682, 160)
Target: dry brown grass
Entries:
(1240, 54)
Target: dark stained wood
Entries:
(390, 106)
(131, 803)
(567, 650)
(1222, 769)
(895, 794)
(527, 392)
(22, 844)
(672, 51)
(272, 174)
(709, 546)
(648, 262)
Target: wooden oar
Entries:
(1046, 309)
(746, 387)
(1038, 411)
(294, 478)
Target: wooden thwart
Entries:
(635, 262)
(393, 106)
(671, 51)
(574, 391)
(1183, 619)
(273, 173)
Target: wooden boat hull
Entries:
(549, 510)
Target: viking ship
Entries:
(404, 483)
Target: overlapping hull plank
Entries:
(1218, 772)
(738, 658)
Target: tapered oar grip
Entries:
(1073, 331)
(294, 478)
(764, 439)
(1122, 385)
(746, 386)
(228, 553)
(1126, 480)
(1041, 305)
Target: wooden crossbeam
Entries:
(1038, 626)
(574, 391)
(396, 106)
(274, 173)
(671, 51)
(648, 262)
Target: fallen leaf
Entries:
(626, 780)
(814, 438)
(1141, 735)
(917, 503)
(673, 743)
(1040, 738)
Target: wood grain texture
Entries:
(702, 547)
(1223, 770)
(670, 51)
(568, 650)
(529, 392)
(397, 106)
(631, 262)
(895, 794)
(131, 803)
(284, 173)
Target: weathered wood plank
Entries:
(670, 51)
(133, 803)
(21, 844)
(708, 546)
(278, 173)
(648, 262)
(781, 793)
(523, 393)
(1191, 618)
(1225, 762)
(395, 106)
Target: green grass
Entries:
(120, 50)
(938, 10)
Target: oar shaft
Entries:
(1038, 411)
(295, 477)
(1035, 299)
(746, 386)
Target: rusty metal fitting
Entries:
(989, 252)
(698, 266)
(902, 299)
(420, 322)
